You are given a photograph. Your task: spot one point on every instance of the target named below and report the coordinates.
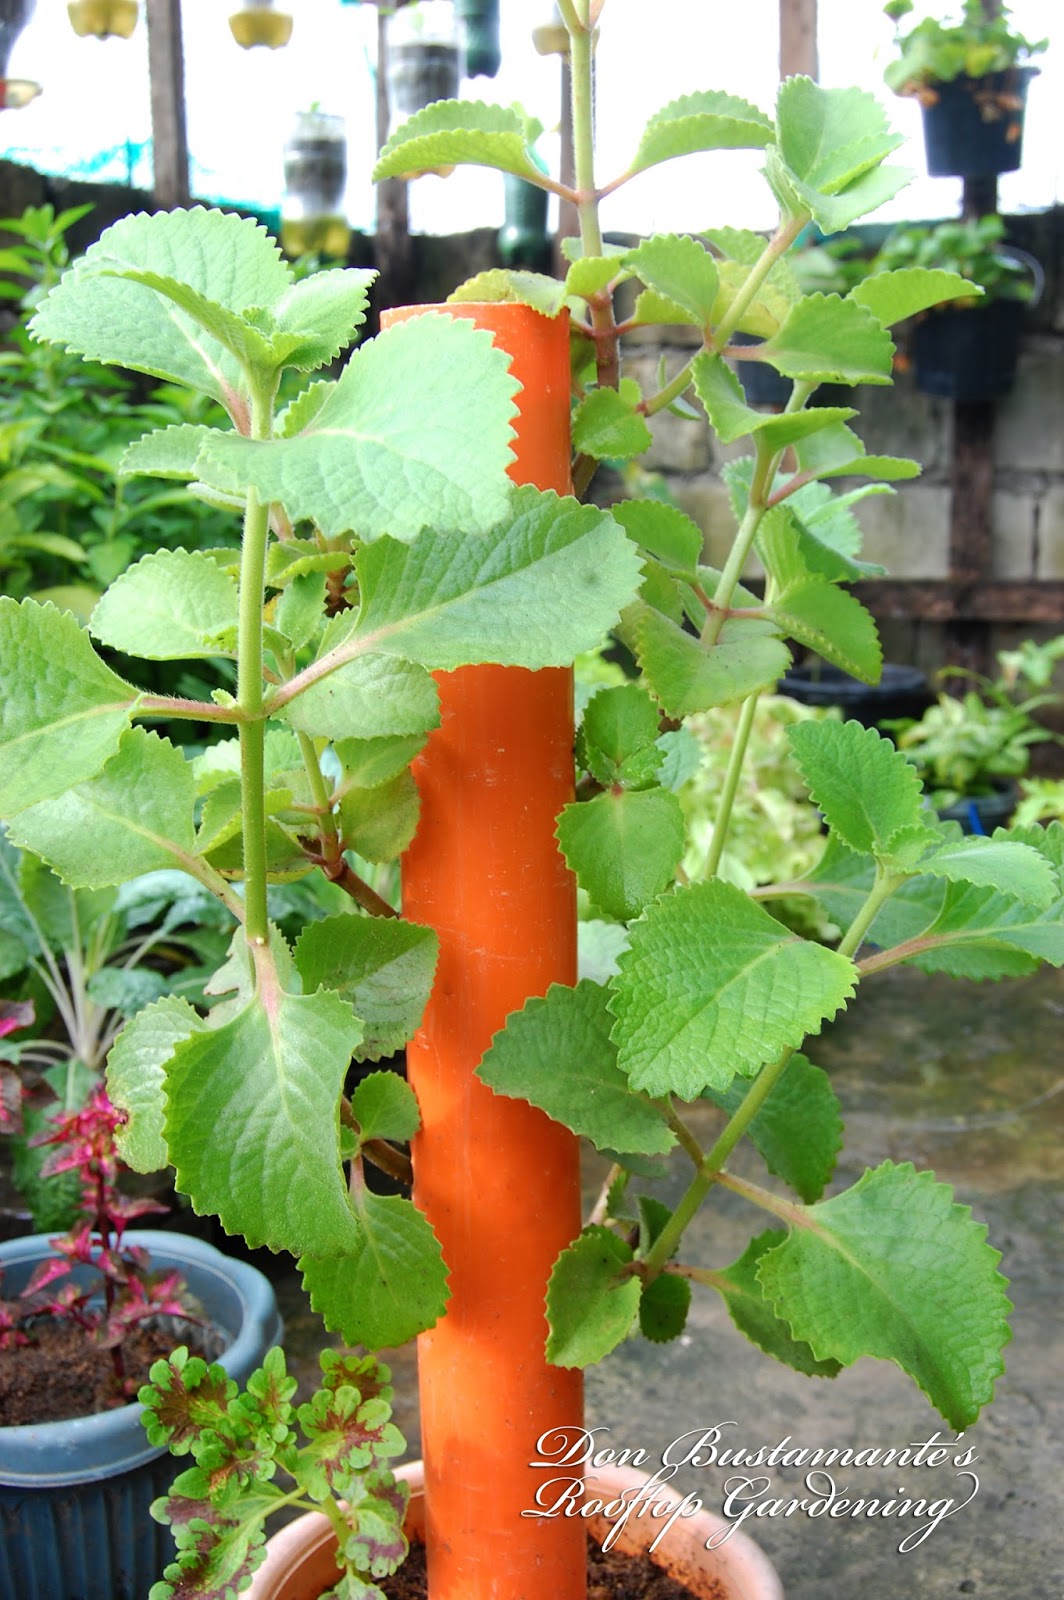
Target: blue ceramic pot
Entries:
(74, 1496)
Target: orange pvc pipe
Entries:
(498, 1180)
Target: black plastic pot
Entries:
(762, 384)
(974, 129)
(982, 813)
(968, 354)
(900, 692)
(74, 1496)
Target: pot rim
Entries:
(741, 1565)
(46, 1455)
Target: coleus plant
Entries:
(241, 1441)
(382, 542)
(118, 1290)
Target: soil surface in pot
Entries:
(611, 1575)
(62, 1374)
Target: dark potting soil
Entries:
(611, 1575)
(62, 1374)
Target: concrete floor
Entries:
(963, 1079)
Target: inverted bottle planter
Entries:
(74, 1495)
(104, 19)
(258, 23)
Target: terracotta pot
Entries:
(299, 1563)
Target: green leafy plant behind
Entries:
(382, 541)
(973, 248)
(981, 41)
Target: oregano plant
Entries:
(382, 541)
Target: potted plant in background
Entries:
(971, 749)
(968, 350)
(382, 533)
(83, 1317)
(971, 78)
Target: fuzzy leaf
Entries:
(592, 1303)
(732, 418)
(894, 1268)
(136, 1078)
(831, 143)
(711, 985)
(137, 812)
(415, 433)
(252, 1121)
(893, 296)
(170, 452)
(326, 310)
(541, 587)
(369, 762)
(685, 676)
(825, 339)
(452, 133)
(624, 846)
(868, 792)
(500, 285)
(981, 933)
(708, 121)
(606, 427)
(385, 1107)
(753, 1315)
(1014, 868)
(169, 606)
(832, 622)
(373, 696)
(390, 1285)
(681, 269)
(836, 452)
(618, 737)
(62, 713)
(385, 968)
(230, 262)
(556, 1054)
(379, 823)
(663, 1308)
(798, 1130)
(669, 536)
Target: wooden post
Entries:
(166, 71)
(498, 1180)
(798, 52)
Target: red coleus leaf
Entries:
(185, 1396)
(50, 1270)
(15, 1014)
(10, 1101)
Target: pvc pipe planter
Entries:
(300, 1562)
(74, 1495)
(498, 1180)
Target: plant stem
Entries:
(249, 689)
(736, 758)
(788, 1211)
(330, 836)
(880, 892)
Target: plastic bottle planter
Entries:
(423, 57)
(103, 18)
(478, 34)
(315, 175)
(74, 1496)
(524, 242)
(299, 1562)
(974, 129)
(968, 354)
(258, 23)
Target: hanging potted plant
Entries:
(413, 581)
(258, 22)
(423, 56)
(971, 78)
(968, 350)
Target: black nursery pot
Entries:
(74, 1496)
(901, 692)
(968, 133)
(983, 813)
(762, 384)
(969, 354)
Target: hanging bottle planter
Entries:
(423, 56)
(524, 241)
(315, 175)
(257, 22)
(14, 92)
(478, 35)
(105, 19)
